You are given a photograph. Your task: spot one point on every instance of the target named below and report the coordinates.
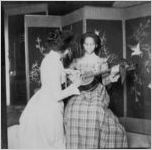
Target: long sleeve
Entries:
(105, 80)
(51, 71)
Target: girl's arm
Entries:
(113, 76)
(104, 66)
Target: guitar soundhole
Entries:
(87, 78)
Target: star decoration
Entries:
(136, 50)
(96, 32)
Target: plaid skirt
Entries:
(90, 124)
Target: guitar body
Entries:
(89, 80)
(86, 77)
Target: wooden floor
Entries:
(134, 140)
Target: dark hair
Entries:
(59, 40)
(92, 35)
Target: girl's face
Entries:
(89, 45)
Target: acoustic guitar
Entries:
(88, 77)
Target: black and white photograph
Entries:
(76, 74)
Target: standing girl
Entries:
(41, 123)
(88, 121)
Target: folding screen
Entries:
(138, 50)
(14, 48)
(138, 35)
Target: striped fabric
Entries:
(90, 124)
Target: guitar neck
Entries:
(89, 75)
(103, 73)
(92, 74)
